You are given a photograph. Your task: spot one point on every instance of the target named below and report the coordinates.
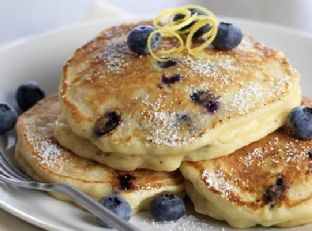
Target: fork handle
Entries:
(93, 207)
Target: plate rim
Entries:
(20, 41)
(32, 220)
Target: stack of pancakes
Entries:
(120, 125)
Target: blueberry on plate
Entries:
(300, 122)
(167, 208)
(8, 117)
(228, 37)
(28, 94)
(117, 205)
(137, 39)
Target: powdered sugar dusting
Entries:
(220, 68)
(202, 66)
(247, 45)
(216, 180)
(186, 223)
(278, 154)
(44, 144)
(165, 127)
(50, 153)
(165, 131)
(251, 96)
(292, 151)
(253, 157)
(246, 98)
(114, 55)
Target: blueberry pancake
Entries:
(40, 156)
(86, 149)
(190, 106)
(268, 182)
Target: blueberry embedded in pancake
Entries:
(168, 63)
(41, 157)
(106, 123)
(206, 99)
(125, 181)
(171, 79)
(273, 193)
(267, 182)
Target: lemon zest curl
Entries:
(183, 30)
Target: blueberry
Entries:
(212, 107)
(181, 117)
(273, 193)
(280, 182)
(137, 39)
(228, 37)
(201, 97)
(300, 122)
(117, 205)
(107, 123)
(167, 208)
(193, 11)
(28, 94)
(126, 181)
(168, 63)
(183, 120)
(206, 99)
(8, 117)
(170, 79)
(201, 30)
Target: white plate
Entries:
(41, 59)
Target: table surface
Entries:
(20, 19)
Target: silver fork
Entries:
(12, 176)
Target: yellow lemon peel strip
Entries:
(158, 20)
(172, 52)
(210, 35)
(201, 9)
(206, 13)
(172, 28)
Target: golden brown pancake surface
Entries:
(105, 77)
(41, 157)
(267, 182)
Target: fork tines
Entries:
(9, 171)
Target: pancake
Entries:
(39, 156)
(268, 183)
(122, 103)
(86, 149)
